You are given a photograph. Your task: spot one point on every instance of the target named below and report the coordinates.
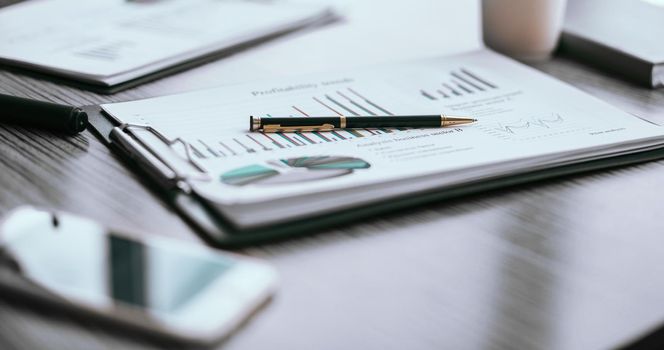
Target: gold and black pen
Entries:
(298, 124)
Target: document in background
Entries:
(527, 122)
(107, 42)
(369, 33)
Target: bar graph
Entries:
(109, 51)
(346, 101)
(214, 123)
(459, 83)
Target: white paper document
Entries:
(527, 121)
(111, 41)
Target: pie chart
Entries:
(293, 170)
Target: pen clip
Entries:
(279, 128)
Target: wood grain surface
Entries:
(574, 263)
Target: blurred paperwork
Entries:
(109, 42)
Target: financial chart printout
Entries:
(522, 115)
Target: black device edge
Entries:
(220, 232)
(608, 59)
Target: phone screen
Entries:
(78, 259)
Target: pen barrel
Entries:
(408, 121)
(415, 121)
(40, 114)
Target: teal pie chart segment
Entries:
(248, 174)
(294, 170)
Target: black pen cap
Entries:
(78, 121)
(40, 114)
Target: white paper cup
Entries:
(523, 29)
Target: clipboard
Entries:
(171, 186)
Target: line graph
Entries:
(512, 128)
(528, 128)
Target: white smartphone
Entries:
(163, 286)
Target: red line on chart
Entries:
(355, 133)
(273, 140)
(322, 137)
(260, 144)
(340, 105)
(296, 136)
(328, 107)
(306, 138)
(288, 138)
(301, 111)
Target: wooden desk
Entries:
(575, 263)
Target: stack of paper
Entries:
(527, 122)
(108, 42)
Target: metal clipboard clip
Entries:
(157, 155)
